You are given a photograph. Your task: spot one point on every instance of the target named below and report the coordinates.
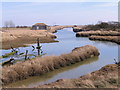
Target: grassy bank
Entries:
(106, 38)
(40, 66)
(54, 29)
(112, 36)
(19, 37)
(25, 41)
(106, 77)
(97, 33)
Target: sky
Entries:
(60, 13)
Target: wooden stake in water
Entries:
(26, 54)
(38, 46)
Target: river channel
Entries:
(67, 42)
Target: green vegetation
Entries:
(8, 54)
(23, 54)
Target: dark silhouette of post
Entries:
(38, 46)
(8, 62)
(26, 54)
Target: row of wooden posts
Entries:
(26, 53)
(38, 47)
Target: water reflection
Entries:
(106, 43)
(51, 76)
(67, 42)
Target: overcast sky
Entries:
(62, 13)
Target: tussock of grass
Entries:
(98, 33)
(39, 66)
(106, 38)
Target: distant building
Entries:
(39, 26)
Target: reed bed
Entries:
(98, 33)
(39, 66)
(106, 38)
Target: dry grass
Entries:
(54, 29)
(39, 66)
(11, 36)
(106, 38)
(106, 77)
(112, 36)
(24, 36)
(99, 33)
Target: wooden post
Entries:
(26, 54)
(38, 46)
(13, 49)
(38, 52)
(38, 42)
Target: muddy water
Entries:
(67, 42)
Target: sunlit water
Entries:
(67, 42)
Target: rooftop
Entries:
(40, 24)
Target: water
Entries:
(67, 42)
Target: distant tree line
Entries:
(10, 24)
(22, 27)
(104, 26)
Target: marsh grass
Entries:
(97, 33)
(39, 66)
(106, 38)
(106, 77)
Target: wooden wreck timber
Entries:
(40, 66)
(115, 39)
(99, 33)
(8, 62)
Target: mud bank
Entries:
(40, 66)
(106, 77)
(115, 39)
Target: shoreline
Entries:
(114, 39)
(25, 41)
(111, 36)
(49, 37)
(40, 66)
(106, 77)
(22, 37)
